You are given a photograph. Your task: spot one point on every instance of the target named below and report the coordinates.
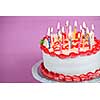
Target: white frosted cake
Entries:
(70, 56)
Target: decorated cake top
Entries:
(70, 43)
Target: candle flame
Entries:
(87, 30)
(51, 29)
(81, 27)
(67, 23)
(75, 23)
(48, 31)
(84, 25)
(63, 30)
(92, 26)
(58, 25)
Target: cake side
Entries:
(69, 66)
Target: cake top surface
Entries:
(70, 43)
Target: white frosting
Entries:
(72, 66)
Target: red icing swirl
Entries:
(67, 78)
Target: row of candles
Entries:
(70, 35)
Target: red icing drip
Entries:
(94, 50)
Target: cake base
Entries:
(40, 77)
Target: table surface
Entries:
(19, 43)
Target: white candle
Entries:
(70, 37)
(84, 27)
(51, 29)
(83, 38)
(63, 31)
(91, 39)
(63, 35)
(87, 30)
(52, 38)
(58, 30)
(93, 33)
(67, 24)
(83, 33)
(59, 35)
(48, 31)
(81, 28)
(48, 37)
(70, 30)
(93, 27)
(55, 37)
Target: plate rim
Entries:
(42, 78)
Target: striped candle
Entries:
(49, 39)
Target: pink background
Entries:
(19, 43)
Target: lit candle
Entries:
(49, 40)
(63, 35)
(48, 31)
(59, 36)
(67, 24)
(84, 27)
(75, 29)
(83, 38)
(70, 37)
(70, 31)
(87, 35)
(93, 27)
(52, 37)
(56, 38)
(58, 30)
(60, 41)
(75, 25)
(58, 27)
(79, 40)
(87, 30)
(84, 24)
(51, 29)
(93, 33)
(83, 33)
(91, 41)
(80, 28)
(63, 31)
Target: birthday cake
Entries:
(70, 55)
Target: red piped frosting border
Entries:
(94, 50)
(67, 78)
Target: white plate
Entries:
(38, 76)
